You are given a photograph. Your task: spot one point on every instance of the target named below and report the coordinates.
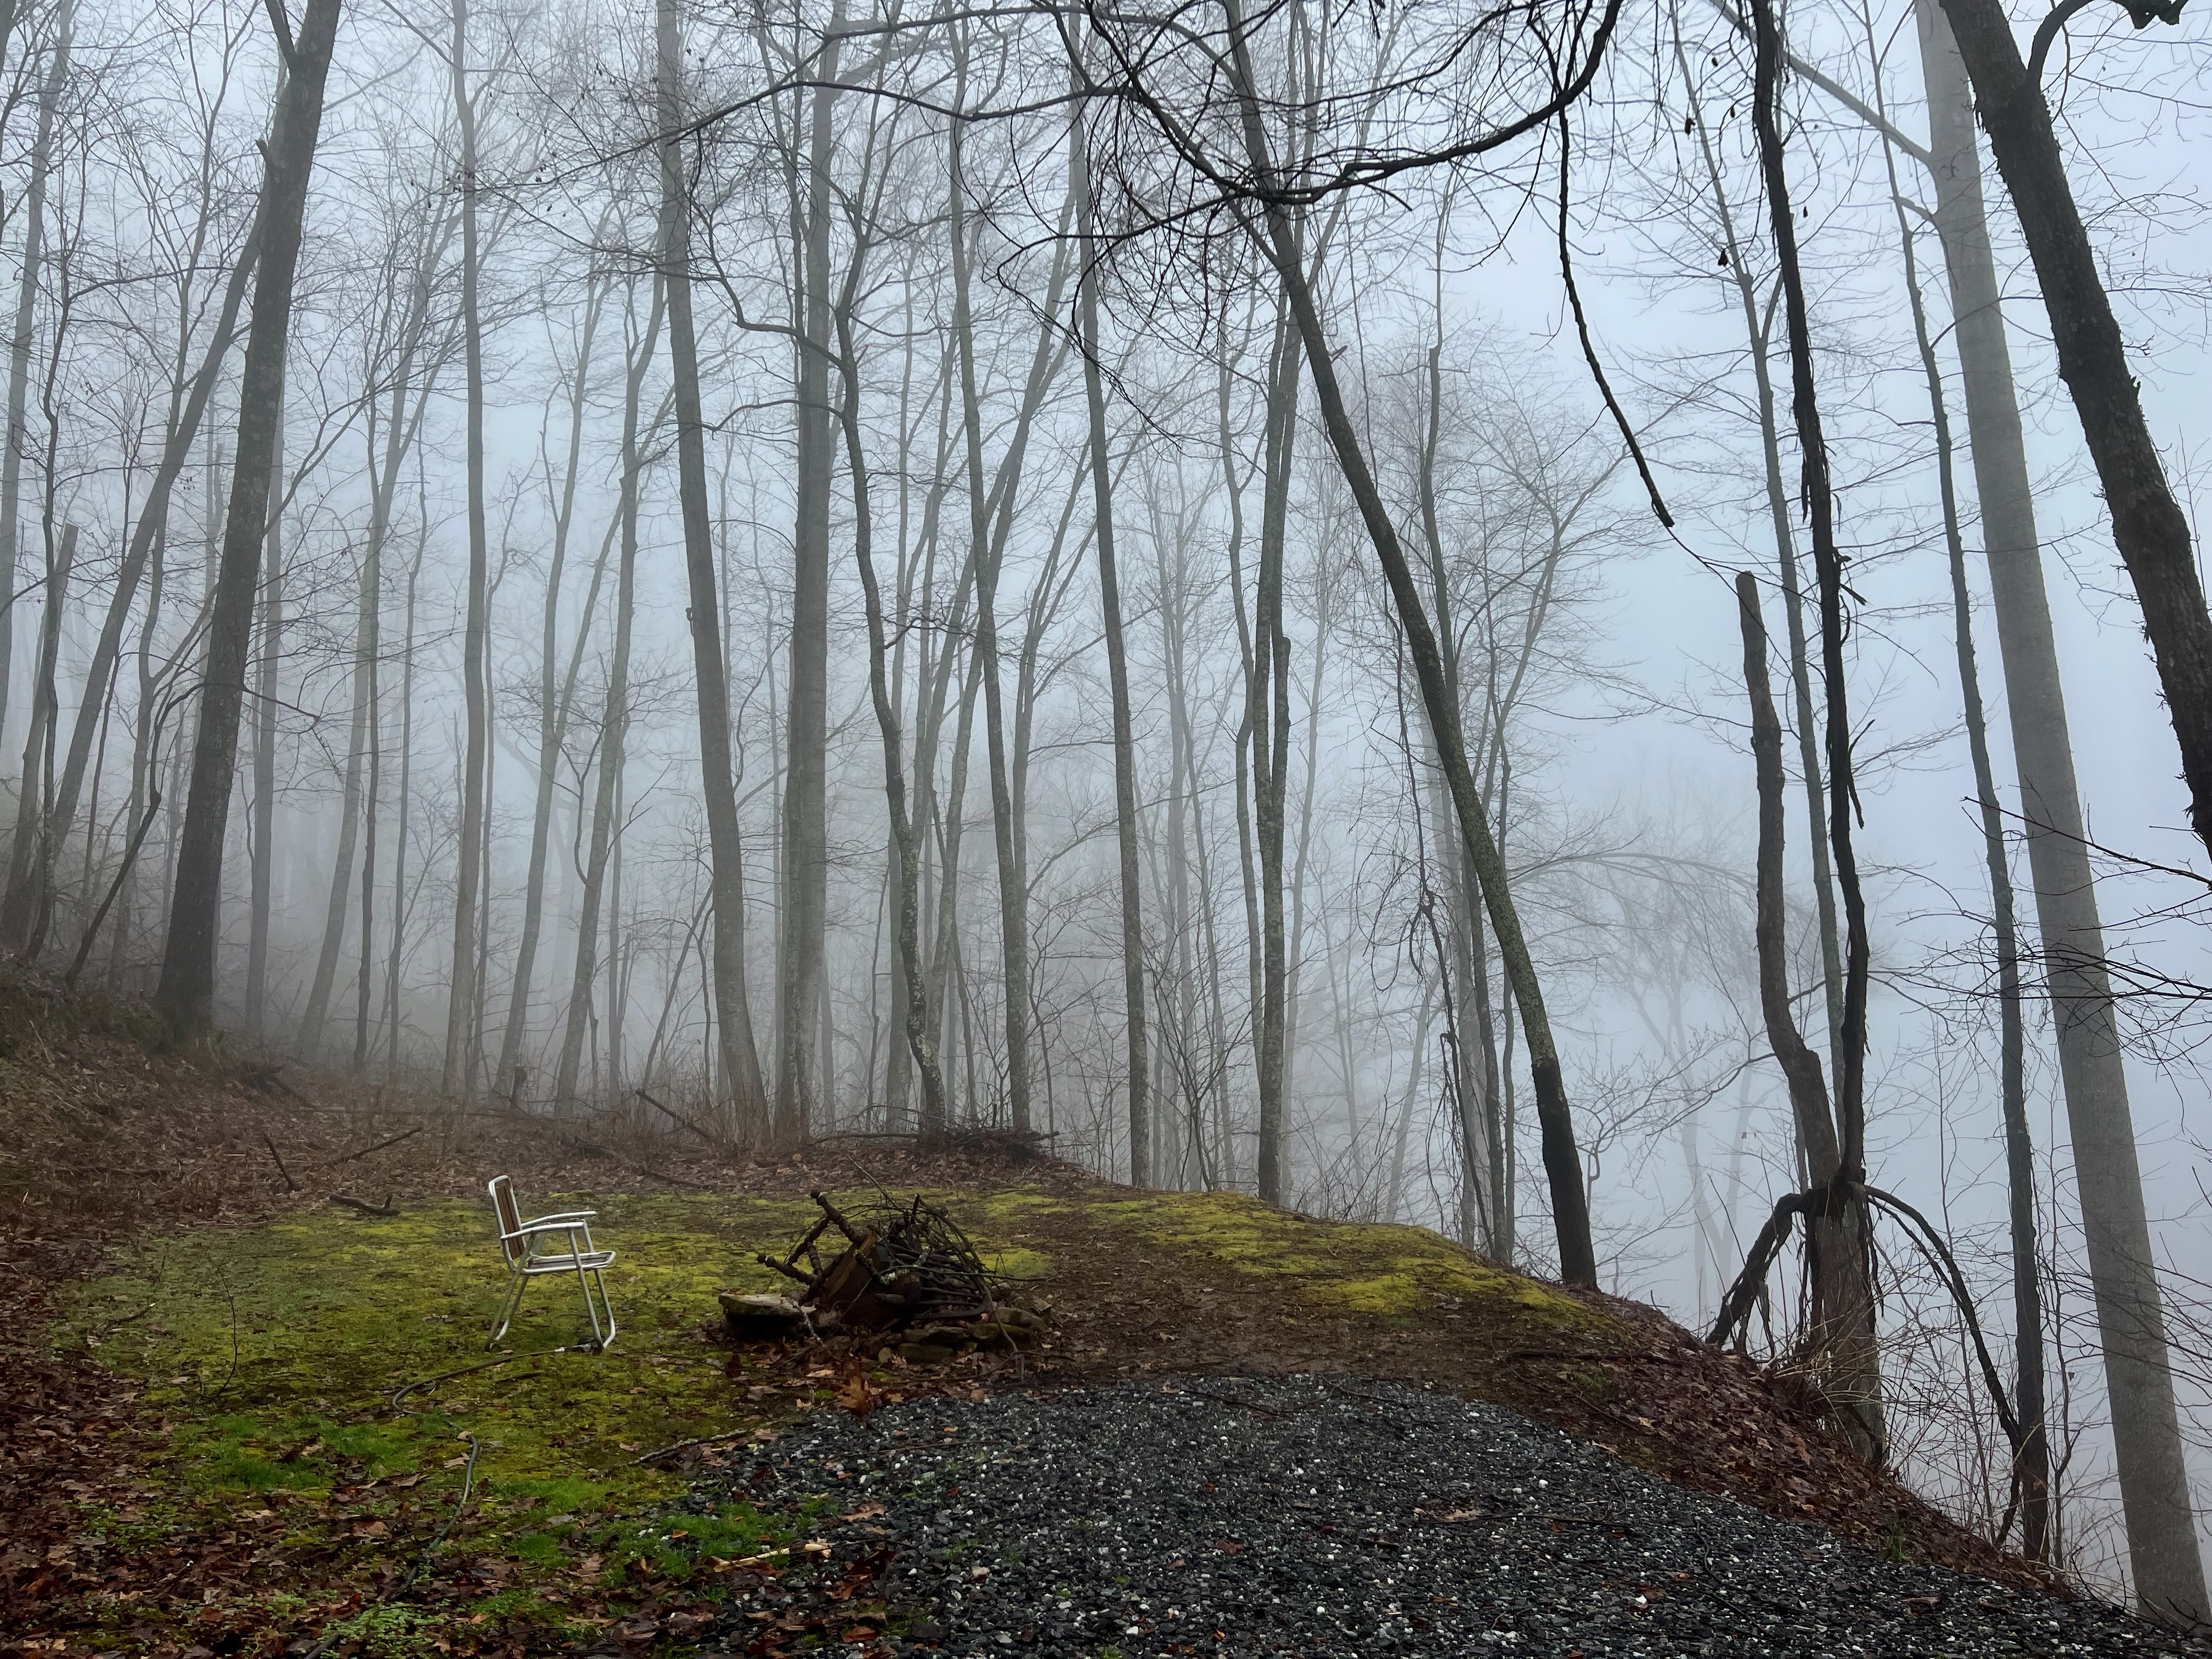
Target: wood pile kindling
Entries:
(902, 1268)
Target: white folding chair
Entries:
(533, 1247)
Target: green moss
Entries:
(276, 1351)
(1341, 1266)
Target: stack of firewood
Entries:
(902, 1266)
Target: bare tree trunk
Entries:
(739, 1073)
(29, 887)
(1845, 1303)
(805, 851)
(395, 1010)
(2148, 525)
(18, 349)
(1562, 1162)
(1117, 669)
(614, 726)
(2031, 1460)
(1271, 749)
(463, 1031)
(187, 407)
(185, 995)
(921, 1031)
(2153, 1480)
(262, 836)
(1013, 900)
(551, 724)
(369, 643)
(1758, 325)
(1842, 1311)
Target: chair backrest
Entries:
(510, 1218)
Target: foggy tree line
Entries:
(788, 572)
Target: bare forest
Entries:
(1576, 623)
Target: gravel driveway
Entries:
(1337, 1517)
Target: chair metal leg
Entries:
(509, 1305)
(585, 1279)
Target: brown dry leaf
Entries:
(866, 1512)
(856, 1396)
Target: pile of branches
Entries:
(902, 1267)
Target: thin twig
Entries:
(290, 1185)
(403, 1135)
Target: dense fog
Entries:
(1167, 582)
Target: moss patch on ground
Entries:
(1343, 1266)
(269, 1356)
(276, 1351)
(268, 1359)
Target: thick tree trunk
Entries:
(805, 849)
(2031, 1464)
(2149, 526)
(742, 1088)
(186, 994)
(2153, 1480)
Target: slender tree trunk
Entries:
(1758, 335)
(1844, 1302)
(185, 995)
(1843, 1312)
(1117, 669)
(614, 727)
(369, 641)
(19, 346)
(742, 1087)
(551, 729)
(1562, 1162)
(2154, 1477)
(395, 1010)
(29, 887)
(265, 768)
(1271, 749)
(188, 405)
(1013, 901)
(457, 1076)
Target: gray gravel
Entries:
(1326, 1517)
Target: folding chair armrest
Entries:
(562, 1219)
(530, 1231)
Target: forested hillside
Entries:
(1577, 625)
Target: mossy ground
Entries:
(269, 1356)
(1356, 1268)
(276, 1350)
